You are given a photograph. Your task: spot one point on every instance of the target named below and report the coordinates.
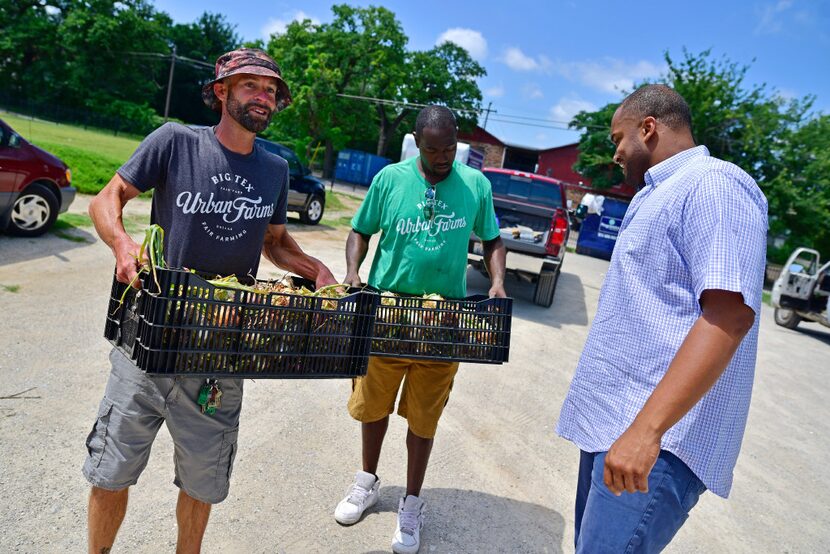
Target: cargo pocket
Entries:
(227, 454)
(97, 438)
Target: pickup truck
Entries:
(802, 290)
(534, 227)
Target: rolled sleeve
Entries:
(724, 229)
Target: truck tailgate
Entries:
(524, 240)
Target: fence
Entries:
(76, 116)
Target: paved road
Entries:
(500, 480)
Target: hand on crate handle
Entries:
(353, 279)
(127, 262)
(497, 291)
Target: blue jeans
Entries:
(633, 522)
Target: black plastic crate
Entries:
(475, 329)
(121, 326)
(186, 326)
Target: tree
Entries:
(30, 33)
(751, 126)
(321, 61)
(97, 36)
(206, 39)
(362, 52)
(799, 195)
(444, 75)
(596, 151)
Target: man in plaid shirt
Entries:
(659, 401)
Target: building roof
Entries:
(562, 147)
(481, 135)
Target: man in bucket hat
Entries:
(221, 200)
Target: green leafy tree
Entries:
(321, 61)
(445, 74)
(799, 195)
(96, 38)
(29, 33)
(204, 40)
(596, 151)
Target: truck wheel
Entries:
(34, 211)
(313, 212)
(545, 287)
(787, 318)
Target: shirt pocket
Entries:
(645, 248)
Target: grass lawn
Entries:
(103, 143)
(93, 156)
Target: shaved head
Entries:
(435, 117)
(661, 102)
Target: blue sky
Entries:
(548, 60)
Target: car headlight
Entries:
(68, 175)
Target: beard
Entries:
(636, 165)
(242, 114)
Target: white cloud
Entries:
(770, 17)
(468, 39)
(494, 92)
(274, 25)
(517, 60)
(532, 91)
(568, 107)
(608, 74)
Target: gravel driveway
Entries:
(499, 479)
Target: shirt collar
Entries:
(670, 166)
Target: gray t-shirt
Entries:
(213, 204)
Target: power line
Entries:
(550, 126)
(526, 121)
(410, 105)
(174, 59)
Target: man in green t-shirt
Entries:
(425, 209)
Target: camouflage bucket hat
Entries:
(252, 61)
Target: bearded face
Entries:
(253, 115)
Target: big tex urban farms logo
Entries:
(428, 233)
(227, 215)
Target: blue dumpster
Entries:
(598, 232)
(354, 166)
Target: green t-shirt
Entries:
(417, 255)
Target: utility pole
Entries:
(487, 115)
(170, 83)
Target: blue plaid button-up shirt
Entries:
(699, 223)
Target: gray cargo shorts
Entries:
(131, 412)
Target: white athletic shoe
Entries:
(361, 495)
(407, 539)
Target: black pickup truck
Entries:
(534, 228)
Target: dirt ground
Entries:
(499, 478)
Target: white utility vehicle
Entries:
(802, 291)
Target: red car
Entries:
(34, 186)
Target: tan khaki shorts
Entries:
(426, 390)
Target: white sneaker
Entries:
(362, 495)
(407, 539)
